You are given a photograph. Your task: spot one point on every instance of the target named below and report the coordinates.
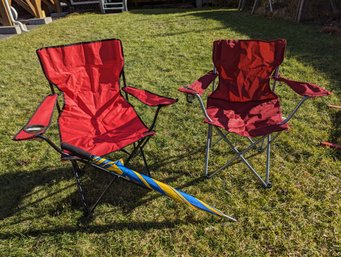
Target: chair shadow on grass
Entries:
(125, 195)
(15, 186)
(20, 186)
(101, 229)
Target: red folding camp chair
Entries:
(243, 102)
(95, 116)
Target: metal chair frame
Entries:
(137, 148)
(240, 154)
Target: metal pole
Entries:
(270, 5)
(300, 9)
(75, 169)
(239, 154)
(125, 6)
(255, 4)
(267, 172)
(145, 161)
(295, 110)
(213, 83)
(207, 150)
(239, 5)
(102, 194)
(275, 76)
(243, 5)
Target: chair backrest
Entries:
(245, 68)
(87, 73)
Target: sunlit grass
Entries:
(300, 215)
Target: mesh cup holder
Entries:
(34, 129)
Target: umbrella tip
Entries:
(229, 217)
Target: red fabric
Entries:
(331, 145)
(149, 98)
(245, 67)
(243, 102)
(199, 86)
(304, 88)
(249, 119)
(41, 117)
(96, 117)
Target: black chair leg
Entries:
(102, 194)
(76, 170)
(145, 162)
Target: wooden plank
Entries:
(27, 5)
(5, 15)
(37, 7)
(57, 7)
(53, 5)
(32, 6)
(50, 4)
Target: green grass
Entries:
(300, 215)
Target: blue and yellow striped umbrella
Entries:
(118, 168)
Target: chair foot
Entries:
(86, 218)
(267, 186)
(88, 214)
(81, 172)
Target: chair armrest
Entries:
(40, 121)
(304, 88)
(199, 86)
(149, 98)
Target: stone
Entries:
(10, 29)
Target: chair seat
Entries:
(103, 131)
(249, 119)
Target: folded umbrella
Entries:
(118, 168)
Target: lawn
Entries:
(300, 215)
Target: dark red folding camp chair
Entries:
(243, 102)
(95, 116)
